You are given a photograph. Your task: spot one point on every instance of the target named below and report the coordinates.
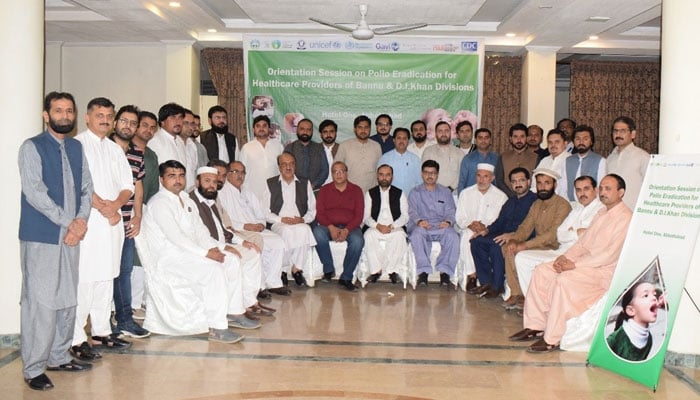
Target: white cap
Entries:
(485, 167)
(546, 171)
(207, 170)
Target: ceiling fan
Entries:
(363, 32)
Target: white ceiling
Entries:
(632, 27)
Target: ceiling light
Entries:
(510, 34)
(174, 4)
(211, 30)
(598, 19)
(593, 37)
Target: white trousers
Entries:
(272, 259)
(465, 252)
(243, 279)
(388, 258)
(138, 287)
(94, 300)
(527, 260)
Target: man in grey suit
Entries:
(55, 205)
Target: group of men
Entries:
(227, 224)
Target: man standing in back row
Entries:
(360, 154)
(55, 206)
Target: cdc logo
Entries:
(276, 44)
(395, 46)
(470, 46)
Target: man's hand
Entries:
(251, 245)
(502, 239)
(514, 247)
(562, 264)
(134, 227)
(384, 228)
(343, 235)
(292, 220)
(334, 232)
(580, 231)
(115, 219)
(423, 224)
(482, 232)
(233, 251)
(476, 226)
(444, 225)
(78, 228)
(215, 254)
(71, 239)
(253, 227)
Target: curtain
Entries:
(226, 71)
(502, 91)
(602, 91)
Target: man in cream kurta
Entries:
(628, 160)
(384, 227)
(100, 251)
(578, 220)
(477, 207)
(577, 279)
(448, 156)
(260, 157)
(360, 154)
(556, 160)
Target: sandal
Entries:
(111, 341)
(85, 353)
(541, 346)
(72, 366)
(525, 335)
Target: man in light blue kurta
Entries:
(431, 210)
(55, 205)
(405, 164)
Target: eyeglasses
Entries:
(131, 123)
(238, 171)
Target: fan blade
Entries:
(397, 28)
(332, 25)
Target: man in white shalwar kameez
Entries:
(100, 251)
(382, 202)
(260, 157)
(248, 216)
(478, 206)
(291, 207)
(166, 142)
(191, 267)
(556, 160)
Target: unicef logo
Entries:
(254, 44)
(276, 44)
(395, 46)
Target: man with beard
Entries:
(166, 142)
(386, 214)
(248, 253)
(101, 249)
(577, 279)
(260, 157)
(405, 165)
(126, 123)
(219, 142)
(482, 155)
(556, 160)
(419, 133)
(487, 241)
(329, 130)
(575, 224)
(383, 124)
(538, 231)
(517, 156)
(535, 134)
(584, 162)
(360, 154)
(55, 206)
(431, 210)
(477, 207)
(311, 161)
(148, 126)
(626, 159)
(465, 133)
(448, 156)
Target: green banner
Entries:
(344, 79)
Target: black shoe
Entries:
(282, 291)
(423, 279)
(471, 283)
(40, 382)
(299, 278)
(111, 342)
(264, 295)
(444, 279)
(72, 366)
(347, 285)
(373, 278)
(85, 353)
(285, 280)
(328, 277)
(394, 277)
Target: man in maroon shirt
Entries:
(340, 207)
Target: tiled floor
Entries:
(379, 343)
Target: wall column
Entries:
(539, 86)
(182, 74)
(22, 80)
(680, 55)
